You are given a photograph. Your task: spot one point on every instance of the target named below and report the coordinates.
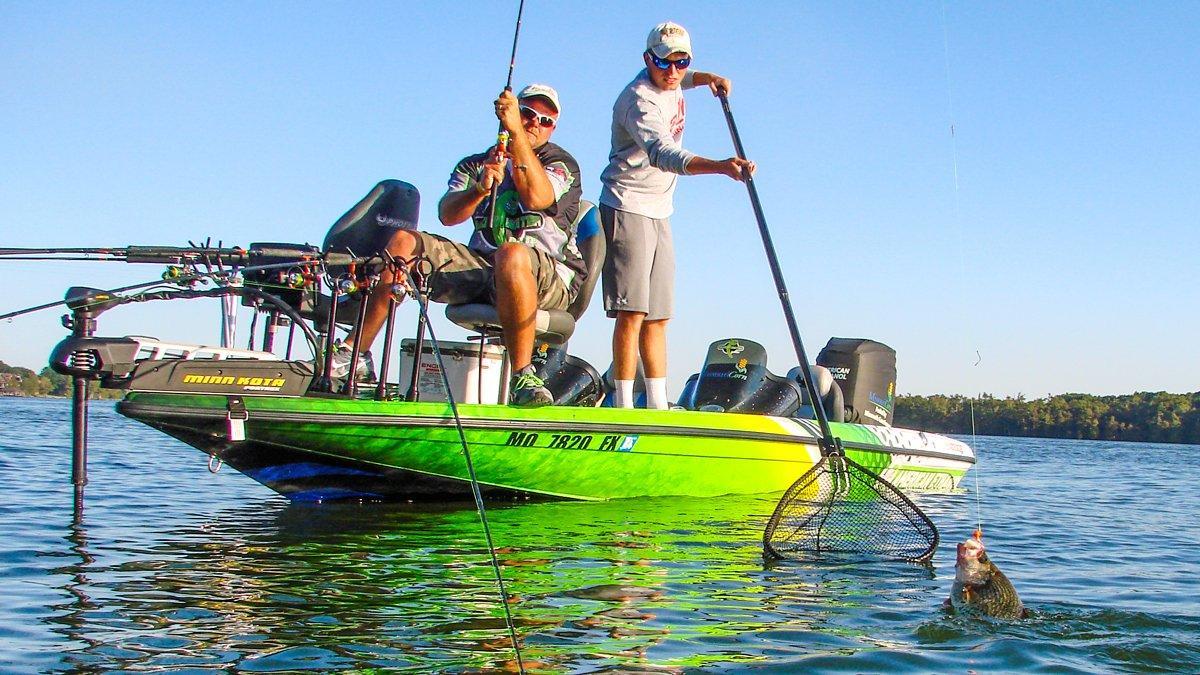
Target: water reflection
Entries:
(669, 583)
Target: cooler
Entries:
(471, 380)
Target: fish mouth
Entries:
(968, 550)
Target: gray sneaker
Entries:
(340, 364)
(528, 390)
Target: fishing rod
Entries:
(502, 134)
(838, 505)
(197, 276)
(175, 255)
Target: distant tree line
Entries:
(1156, 417)
(17, 381)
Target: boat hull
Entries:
(316, 448)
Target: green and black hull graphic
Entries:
(317, 448)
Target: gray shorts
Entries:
(639, 269)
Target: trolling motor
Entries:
(114, 361)
(85, 358)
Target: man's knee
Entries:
(630, 320)
(513, 258)
(404, 243)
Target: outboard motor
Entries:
(866, 372)
(367, 227)
(571, 380)
(735, 379)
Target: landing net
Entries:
(840, 506)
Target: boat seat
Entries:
(369, 225)
(550, 325)
(735, 379)
(827, 389)
(364, 230)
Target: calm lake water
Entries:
(175, 568)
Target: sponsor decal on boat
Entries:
(739, 370)
(246, 383)
(732, 348)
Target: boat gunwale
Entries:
(133, 408)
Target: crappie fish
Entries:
(980, 587)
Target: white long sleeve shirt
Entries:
(647, 153)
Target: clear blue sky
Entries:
(1066, 258)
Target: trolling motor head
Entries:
(84, 355)
(85, 302)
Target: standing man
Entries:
(636, 204)
(533, 264)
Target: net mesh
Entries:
(840, 506)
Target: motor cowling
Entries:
(866, 372)
(571, 380)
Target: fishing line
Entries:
(475, 491)
(962, 270)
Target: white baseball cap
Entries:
(667, 38)
(545, 91)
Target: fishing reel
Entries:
(183, 276)
(349, 285)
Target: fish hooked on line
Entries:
(980, 587)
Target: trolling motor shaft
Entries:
(83, 366)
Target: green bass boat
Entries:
(737, 429)
(311, 448)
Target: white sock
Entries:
(623, 396)
(656, 393)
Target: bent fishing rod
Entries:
(502, 148)
(502, 135)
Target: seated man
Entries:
(534, 265)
